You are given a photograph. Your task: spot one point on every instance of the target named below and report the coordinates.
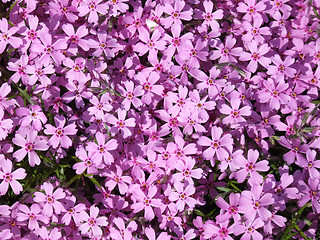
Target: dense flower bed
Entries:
(164, 119)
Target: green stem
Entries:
(300, 231)
(293, 222)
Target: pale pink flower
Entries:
(50, 199)
(60, 132)
(9, 177)
(29, 143)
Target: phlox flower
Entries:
(32, 215)
(106, 44)
(76, 68)
(252, 9)
(281, 68)
(226, 52)
(281, 190)
(145, 201)
(274, 221)
(131, 94)
(201, 106)
(255, 202)
(191, 123)
(120, 124)
(183, 196)
(92, 223)
(176, 13)
(5, 103)
(311, 192)
(255, 31)
(154, 163)
(235, 113)
(151, 235)
(76, 38)
(117, 5)
(60, 132)
(124, 232)
(219, 144)
(194, 54)
(310, 164)
(180, 101)
(187, 171)
(54, 234)
(190, 234)
(212, 83)
(249, 229)
(19, 67)
(6, 35)
(92, 7)
(77, 92)
(274, 94)
(39, 71)
(73, 212)
(48, 50)
(229, 210)
(209, 16)
(10, 177)
(256, 56)
(250, 167)
(220, 231)
(62, 8)
(6, 234)
(101, 149)
(50, 199)
(152, 44)
(32, 116)
(176, 42)
(29, 144)
(88, 162)
(100, 106)
(6, 125)
(118, 179)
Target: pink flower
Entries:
(256, 56)
(101, 149)
(183, 196)
(250, 167)
(50, 199)
(93, 7)
(6, 35)
(92, 223)
(152, 44)
(60, 133)
(117, 178)
(310, 164)
(176, 14)
(32, 215)
(88, 162)
(145, 201)
(255, 202)
(131, 95)
(120, 124)
(75, 39)
(29, 144)
(249, 229)
(235, 115)
(226, 52)
(9, 178)
(32, 116)
(219, 144)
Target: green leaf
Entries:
(224, 189)
(73, 179)
(95, 182)
(199, 213)
(308, 129)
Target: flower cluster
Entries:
(165, 119)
